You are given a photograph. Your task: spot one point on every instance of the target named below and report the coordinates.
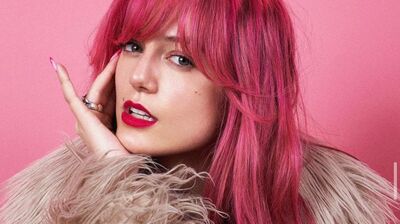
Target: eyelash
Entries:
(189, 64)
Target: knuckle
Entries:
(94, 93)
(74, 102)
(67, 99)
(65, 83)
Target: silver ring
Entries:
(90, 105)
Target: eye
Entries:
(181, 60)
(132, 46)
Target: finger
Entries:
(102, 85)
(80, 111)
(110, 106)
(96, 135)
(66, 85)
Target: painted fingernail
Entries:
(53, 63)
(116, 54)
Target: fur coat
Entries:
(70, 185)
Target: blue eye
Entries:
(181, 61)
(132, 46)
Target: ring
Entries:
(90, 105)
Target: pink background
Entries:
(350, 70)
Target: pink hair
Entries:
(248, 48)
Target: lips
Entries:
(138, 106)
(130, 120)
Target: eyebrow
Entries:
(171, 38)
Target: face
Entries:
(185, 104)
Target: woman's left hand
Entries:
(93, 126)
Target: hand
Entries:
(93, 126)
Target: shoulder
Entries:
(71, 184)
(38, 183)
(339, 188)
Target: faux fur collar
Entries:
(340, 189)
(71, 186)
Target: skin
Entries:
(185, 102)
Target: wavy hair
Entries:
(248, 48)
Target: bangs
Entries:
(201, 34)
(145, 19)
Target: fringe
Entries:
(340, 189)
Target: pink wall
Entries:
(34, 116)
(351, 76)
(350, 64)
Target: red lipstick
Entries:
(133, 119)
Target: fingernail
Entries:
(54, 64)
(116, 54)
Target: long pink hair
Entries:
(248, 48)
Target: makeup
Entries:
(136, 115)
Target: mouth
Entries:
(137, 115)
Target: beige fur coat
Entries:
(71, 186)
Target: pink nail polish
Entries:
(53, 63)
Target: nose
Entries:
(143, 77)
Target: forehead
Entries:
(145, 20)
(172, 30)
(191, 22)
(170, 34)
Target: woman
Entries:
(212, 85)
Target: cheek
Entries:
(188, 122)
(187, 111)
(194, 120)
(121, 78)
(122, 73)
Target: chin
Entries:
(129, 143)
(134, 144)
